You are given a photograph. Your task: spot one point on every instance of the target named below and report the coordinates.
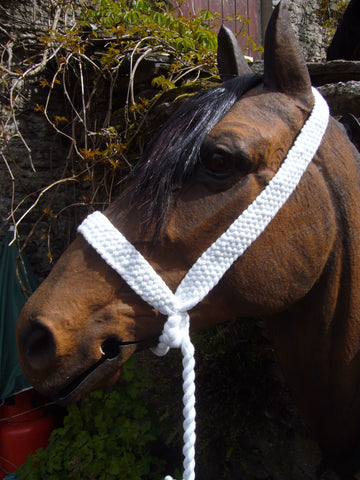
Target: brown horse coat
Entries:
(302, 273)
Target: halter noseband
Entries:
(210, 267)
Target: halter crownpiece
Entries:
(210, 267)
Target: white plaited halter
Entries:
(206, 272)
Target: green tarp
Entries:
(12, 299)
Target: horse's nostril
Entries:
(110, 348)
(39, 346)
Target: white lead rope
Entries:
(206, 272)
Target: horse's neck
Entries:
(318, 339)
(341, 304)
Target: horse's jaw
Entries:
(102, 374)
(74, 337)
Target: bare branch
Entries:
(43, 191)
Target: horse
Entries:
(207, 164)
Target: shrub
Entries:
(108, 435)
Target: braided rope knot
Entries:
(175, 330)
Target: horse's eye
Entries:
(219, 163)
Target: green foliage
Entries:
(107, 436)
(233, 358)
(143, 18)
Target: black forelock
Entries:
(173, 154)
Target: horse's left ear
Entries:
(285, 69)
(230, 59)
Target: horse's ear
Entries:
(230, 59)
(285, 69)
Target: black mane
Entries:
(173, 154)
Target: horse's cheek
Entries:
(286, 261)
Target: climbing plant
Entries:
(92, 51)
(86, 65)
(331, 12)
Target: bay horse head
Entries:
(207, 165)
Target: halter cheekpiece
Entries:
(207, 271)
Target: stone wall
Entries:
(34, 153)
(48, 155)
(309, 29)
(49, 151)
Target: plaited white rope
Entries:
(206, 272)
